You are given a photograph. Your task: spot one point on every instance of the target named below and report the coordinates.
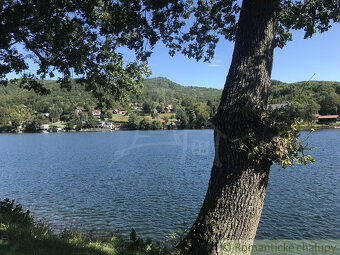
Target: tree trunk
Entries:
(237, 186)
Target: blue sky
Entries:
(298, 61)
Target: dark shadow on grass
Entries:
(50, 247)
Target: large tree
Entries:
(85, 38)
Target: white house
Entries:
(58, 128)
(96, 112)
(44, 127)
(109, 125)
(101, 124)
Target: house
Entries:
(79, 109)
(96, 113)
(122, 112)
(46, 114)
(116, 111)
(101, 124)
(109, 125)
(326, 118)
(44, 127)
(58, 128)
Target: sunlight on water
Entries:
(154, 181)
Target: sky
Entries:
(300, 60)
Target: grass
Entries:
(57, 245)
(120, 118)
(316, 126)
(20, 235)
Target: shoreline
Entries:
(301, 128)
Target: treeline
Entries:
(24, 110)
(308, 98)
(163, 103)
(193, 106)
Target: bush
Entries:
(134, 121)
(15, 224)
(145, 124)
(14, 214)
(156, 124)
(19, 235)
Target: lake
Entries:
(155, 181)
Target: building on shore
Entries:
(324, 119)
(96, 112)
(58, 128)
(44, 127)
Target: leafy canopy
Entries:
(85, 39)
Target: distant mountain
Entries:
(164, 88)
(193, 106)
(166, 91)
(304, 91)
(276, 82)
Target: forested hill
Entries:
(163, 90)
(155, 89)
(189, 103)
(162, 87)
(308, 98)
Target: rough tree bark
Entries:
(237, 186)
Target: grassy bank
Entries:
(315, 126)
(21, 235)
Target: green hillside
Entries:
(157, 88)
(20, 108)
(309, 98)
(193, 106)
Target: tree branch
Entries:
(31, 48)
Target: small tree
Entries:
(182, 117)
(16, 120)
(148, 107)
(156, 124)
(311, 108)
(37, 121)
(107, 114)
(145, 124)
(91, 122)
(330, 104)
(134, 121)
(4, 118)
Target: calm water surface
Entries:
(155, 181)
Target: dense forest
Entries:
(308, 98)
(162, 103)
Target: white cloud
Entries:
(215, 63)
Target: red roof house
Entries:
(326, 118)
(96, 112)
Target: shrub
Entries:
(134, 121)
(14, 214)
(14, 222)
